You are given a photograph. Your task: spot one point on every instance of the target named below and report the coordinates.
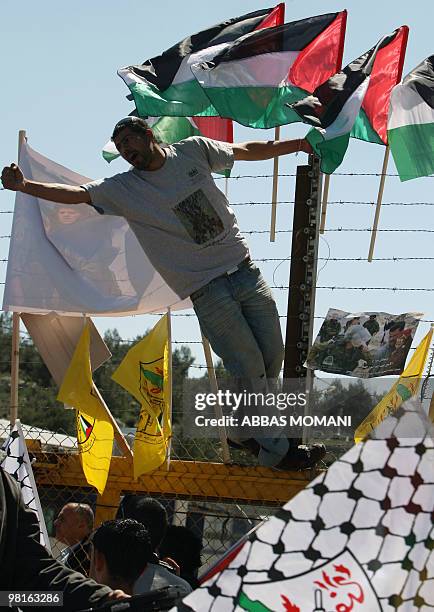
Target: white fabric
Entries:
(266, 70)
(70, 259)
(408, 108)
(343, 124)
(17, 464)
(354, 539)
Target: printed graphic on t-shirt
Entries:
(199, 217)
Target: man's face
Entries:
(68, 215)
(136, 148)
(393, 336)
(70, 527)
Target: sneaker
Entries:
(303, 457)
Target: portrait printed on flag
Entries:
(363, 344)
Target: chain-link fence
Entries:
(218, 503)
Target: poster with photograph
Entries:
(363, 344)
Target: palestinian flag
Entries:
(250, 79)
(335, 105)
(168, 130)
(165, 85)
(411, 122)
(371, 122)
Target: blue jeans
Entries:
(238, 315)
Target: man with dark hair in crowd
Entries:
(184, 547)
(25, 565)
(153, 516)
(120, 552)
(74, 525)
(190, 234)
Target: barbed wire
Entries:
(338, 288)
(289, 174)
(289, 259)
(329, 202)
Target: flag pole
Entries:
(118, 435)
(214, 389)
(169, 347)
(31, 476)
(325, 197)
(379, 201)
(15, 348)
(274, 192)
(226, 186)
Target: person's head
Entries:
(395, 331)
(135, 141)
(120, 552)
(73, 523)
(354, 321)
(68, 214)
(149, 512)
(373, 317)
(184, 547)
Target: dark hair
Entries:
(150, 513)
(397, 326)
(126, 546)
(137, 124)
(183, 546)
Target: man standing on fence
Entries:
(189, 232)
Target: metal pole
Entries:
(303, 271)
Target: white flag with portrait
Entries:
(72, 260)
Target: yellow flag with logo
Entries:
(405, 387)
(145, 373)
(94, 429)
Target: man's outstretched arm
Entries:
(257, 151)
(13, 179)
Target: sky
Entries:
(59, 63)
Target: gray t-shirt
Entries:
(181, 219)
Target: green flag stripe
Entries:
(412, 147)
(363, 130)
(251, 606)
(182, 100)
(257, 107)
(330, 151)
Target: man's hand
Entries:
(13, 178)
(117, 595)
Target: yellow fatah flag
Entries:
(94, 429)
(145, 373)
(405, 387)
